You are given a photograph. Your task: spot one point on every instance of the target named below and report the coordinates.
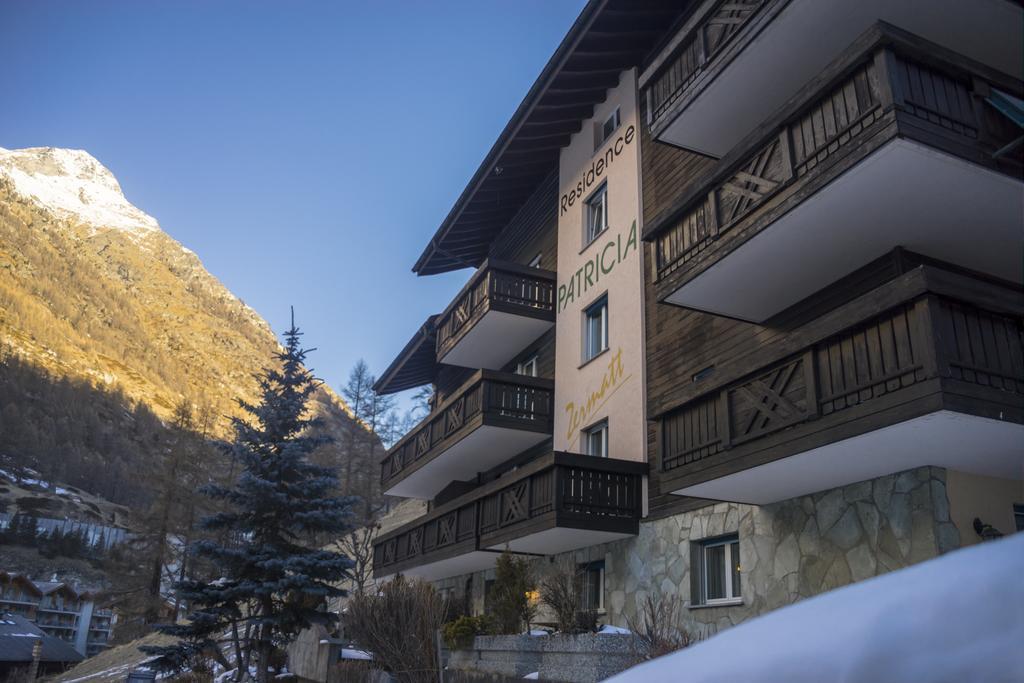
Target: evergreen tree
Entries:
(270, 583)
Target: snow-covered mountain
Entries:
(71, 183)
(92, 290)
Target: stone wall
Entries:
(788, 551)
(578, 659)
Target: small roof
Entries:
(23, 580)
(18, 636)
(415, 364)
(608, 37)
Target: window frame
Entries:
(601, 426)
(600, 303)
(584, 569)
(601, 136)
(523, 364)
(600, 193)
(731, 596)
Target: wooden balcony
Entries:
(501, 310)
(491, 418)
(556, 503)
(927, 369)
(891, 147)
(733, 63)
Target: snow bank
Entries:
(615, 630)
(958, 618)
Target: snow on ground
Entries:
(957, 619)
(71, 183)
(614, 630)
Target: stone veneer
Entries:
(788, 551)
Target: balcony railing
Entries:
(708, 36)
(558, 490)
(488, 400)
(925, 353)
(884, 92)
(500, 287)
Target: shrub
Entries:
(350, 671)
(511, 608)
(459, 634)
(561, 591)
(399, 626)
(658, 629)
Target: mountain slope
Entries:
(93, 292)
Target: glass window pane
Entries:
(714, 570)
(734, 551)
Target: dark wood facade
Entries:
(557, 490)
(888, 85)
(901, 336)
(489, 398)
(925, 341)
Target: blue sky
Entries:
(307, 151)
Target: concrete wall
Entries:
(610, 386)
(581, 659)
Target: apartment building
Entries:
(59, 610)
(745, 319)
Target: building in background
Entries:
(744, 322)
(60, 610)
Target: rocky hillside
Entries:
(95, 297)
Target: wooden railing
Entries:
(702, 43)
(928, 338)
(496, 286)
(497, 398)
(788, 162)
(561, 488)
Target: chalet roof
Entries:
(23, 580)
(18, 635)
(607, 38)
(415, 364)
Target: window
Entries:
(595, 440)
(1018, 516)
(535, 261)
(595, 328)
(718, 572)
(605, 130)
(527, 367)
(592, 585)
(597, 215)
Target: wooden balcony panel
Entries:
(502, 309)
(883, 93)
(929, 355)
(526, 510)
(512, 412)
(732, 64)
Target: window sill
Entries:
(594, 239)
(723, 603)
(593, 358)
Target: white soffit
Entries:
(947, 439)
(495, 339)
(480, 450)
(903, 195)
(809, 34)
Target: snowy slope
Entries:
(72, 184)
(957, 619)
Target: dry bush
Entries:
(561, 590)
(399, 626)
(351, 671)
(658, 629)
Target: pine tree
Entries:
(270, 583)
